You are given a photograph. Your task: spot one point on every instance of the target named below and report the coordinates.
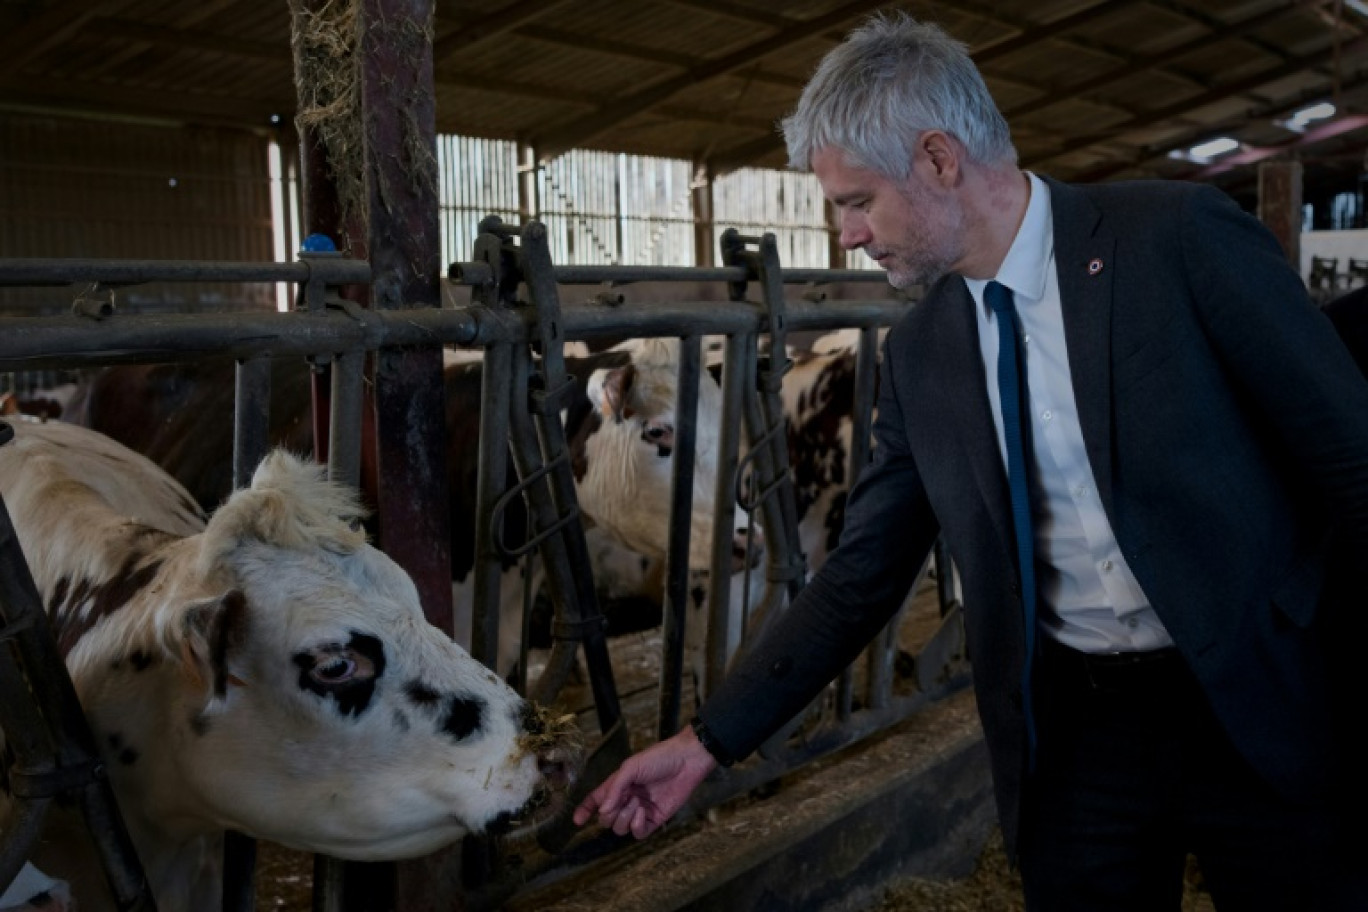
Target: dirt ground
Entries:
(994, 887)
(285, 884)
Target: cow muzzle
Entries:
(748, 548)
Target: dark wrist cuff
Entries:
(710, 744)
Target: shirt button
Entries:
(1047, 414)
(1106, 566)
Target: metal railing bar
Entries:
(49, 271)
(480, 273)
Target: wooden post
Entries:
(383, 205)
(528, 205)
(1280, 205)
(701, 187)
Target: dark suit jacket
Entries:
(1349, 314)
(1227, 430)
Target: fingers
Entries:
(602, 800)
(642, 824)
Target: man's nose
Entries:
(854, 231)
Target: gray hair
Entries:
(891, 80)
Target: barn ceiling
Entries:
(1093, 90)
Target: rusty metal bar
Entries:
(251, 432)
(737, 380)
(476, 273)
(37, 343)
(345, 420)
(674, 618)
(63, 271)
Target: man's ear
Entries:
(940, 155)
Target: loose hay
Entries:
(995, 887)
(992, 887)
(550, 730)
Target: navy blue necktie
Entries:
(1011, 375)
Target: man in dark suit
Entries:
(1137, 436)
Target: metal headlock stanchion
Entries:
(53, 748)
(537, 443)
(771, 482)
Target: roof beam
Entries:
(1311, 137)
(556, 142)
(1102, 172)
(743, 155)
(55, 24)
(213, 42)
(559, 38)
(1220, 93)
(101, 98)
(1050, 29)
(465, 36)
(1143, 65)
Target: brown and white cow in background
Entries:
(268, 672)
(817, 397)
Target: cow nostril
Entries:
(556, 772)
(501, 824)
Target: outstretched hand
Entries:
(649, 787)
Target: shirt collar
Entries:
(1023, 270)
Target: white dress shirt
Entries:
(1087, 596)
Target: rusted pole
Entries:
(400, 146)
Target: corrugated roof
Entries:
(1093, 90)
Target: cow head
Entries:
(315, 706)
(626, 484)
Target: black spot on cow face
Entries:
(346, 672)
(463, 718)
(421, 694)
(125, 754)
(661, 435)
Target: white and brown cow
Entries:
(267, 671)
(630, 497)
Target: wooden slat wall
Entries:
(86, 188)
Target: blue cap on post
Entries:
(318, 243)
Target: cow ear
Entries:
(212, 632)
(617, 391)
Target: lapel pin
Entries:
(1094, 266)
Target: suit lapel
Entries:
(953, 368)
(1085, 261)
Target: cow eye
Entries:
(335, 670)
(655, 433)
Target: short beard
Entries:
(936, 255)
